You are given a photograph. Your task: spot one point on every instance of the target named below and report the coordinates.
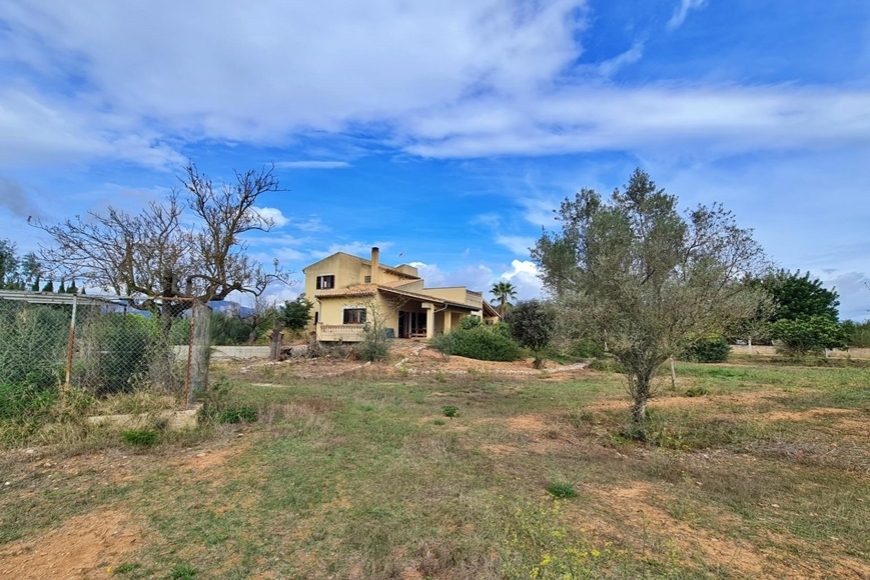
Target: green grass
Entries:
(364, 478)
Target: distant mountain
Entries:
(231, 308)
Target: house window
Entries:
(325, 282)
(354, 316)
(367, 279)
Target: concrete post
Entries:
(430, 318)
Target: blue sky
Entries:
(446, 132)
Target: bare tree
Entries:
(647, 280)
(156, 253)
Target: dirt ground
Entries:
(88, 545)
(407, 357)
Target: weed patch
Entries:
(141, 437)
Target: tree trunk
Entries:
(277, 338)
(641, 395)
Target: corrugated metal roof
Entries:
(52, 298)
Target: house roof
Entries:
(488, 310)
(398, 283)
(381, 266)
(389, 288)
(355, 290)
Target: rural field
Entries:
(453, 469)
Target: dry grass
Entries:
(361, 476)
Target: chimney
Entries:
(376, 270)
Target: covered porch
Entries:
(426, 319)
(402, 314)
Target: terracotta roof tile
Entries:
(356, 290)
(371, 289)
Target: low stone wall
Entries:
(859, 353)
(245, 352)
(172, 420)
(229, 352)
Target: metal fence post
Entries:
(71, 342)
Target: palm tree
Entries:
(503, 291)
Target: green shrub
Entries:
(698, 391)
(470, 322)
(445, 343)
(450, 411)
(238, 415)
(710, 349)
(857, 333)
(561, 489)
(479, 342)
(586, 349)
(214, 398)
(804, 336)
(607, 365)
(225, 329)
(532, 324)
(140, 437)
(375, 346)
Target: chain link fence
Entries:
(103, 344)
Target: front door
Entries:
(403, 324)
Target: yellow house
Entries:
(349, 290)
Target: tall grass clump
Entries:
(33, 343)
(115, 353)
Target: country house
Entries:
(348, 290)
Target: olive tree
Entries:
(644, 278)
(161, 253)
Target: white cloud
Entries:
(36, 130)
(475, 277)
(611, 66)
(273, 214)
(311, 225)
(490, 220)
(682, 12)
(524, 276)
(312, 164)
(854, 291)
(516, 244)
(431, 274)
(584, 118)
(354, 248)
(446, 79)
(217, 69)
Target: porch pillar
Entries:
(430, 318)
(448, 321)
